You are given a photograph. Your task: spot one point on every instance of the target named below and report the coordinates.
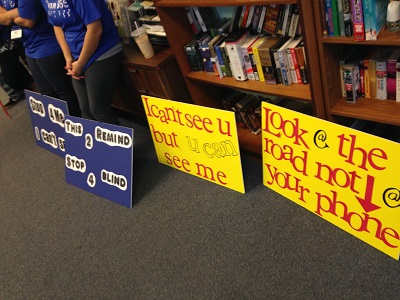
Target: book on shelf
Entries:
(381, 73)
(226, 59)
(193, 56)
(221, 55)
(245, 107)
(324, 17)
(367, 70)
(284, 63)
(281, 18)
(255, 59)
(372, 74)
(261, 21)
(256, 18)
(391, 74)
(351, 81)
(398, 80)
(374, 17)
(340, 17)
(197, 15)
(345, 59)
(266, 58)
(332, 17)
(214, 58)
(361, 54)
(357, 56)
(233, 46)
(292, 60)
(347, 18)
(272, 13)
(205, 54)
(361, 91)
(294, 21)
(287, 18)
(301, 60)
(246, 46)
(276, 68)
(244, 15)
(358, 20)
(249, 16)
(194, 23)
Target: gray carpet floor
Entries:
(184, 238)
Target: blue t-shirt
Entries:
(39, 41)
(73, 16)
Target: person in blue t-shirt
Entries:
(92, 49)
(43, 53)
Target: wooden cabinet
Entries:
(205, 89)
(158, 76)
(331, 50)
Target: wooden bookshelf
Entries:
(207, 90)
(331, 50)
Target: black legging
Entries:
(14, 72)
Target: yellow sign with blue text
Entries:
(345, 176)
(197, 140)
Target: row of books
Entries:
(279, 19)
(247, 108)
(246, 56)
(362, 19)
(371, 73)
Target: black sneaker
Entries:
(12, 101)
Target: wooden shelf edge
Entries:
(381, 111)
(386, 38)
(176, 3)
(294, 91)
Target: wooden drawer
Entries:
(158, 76)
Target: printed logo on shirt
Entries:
(7, 4)
(58, 8)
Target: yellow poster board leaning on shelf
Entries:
(345, 176)
(197, 140)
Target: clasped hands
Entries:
(74, 69)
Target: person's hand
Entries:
(77, 69)
(74, 69)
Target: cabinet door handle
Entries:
(142, 91)
(133, 71)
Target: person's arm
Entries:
(5, 17)
(8, 17)
(59, 33)
(14, 14)
(90, 44)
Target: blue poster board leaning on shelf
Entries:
(47, 117)
(99, 159)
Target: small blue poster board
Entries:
(99, 159)
(47, 117)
